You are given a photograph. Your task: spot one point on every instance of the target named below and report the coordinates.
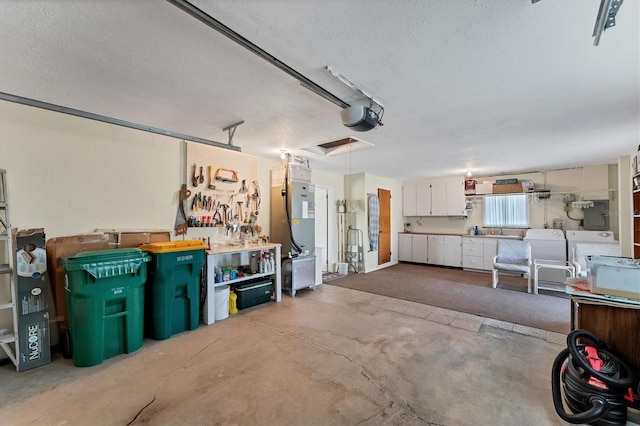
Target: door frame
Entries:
(330, 221)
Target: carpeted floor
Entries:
(464, 291)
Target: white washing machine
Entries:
(575, 237)
(548, 244)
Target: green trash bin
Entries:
(173, 290)
(105, 303)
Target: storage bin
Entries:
(615, 276)
(105, 302)
(343, 268)
(253, 293)
(172, 302)
(221, 300)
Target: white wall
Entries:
(70, 175)
(360, 185)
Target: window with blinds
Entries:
(506, 211)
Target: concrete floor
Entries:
(330, 356)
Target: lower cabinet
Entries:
(490, 246)
(478, 252)
(472, 253)
(413, 248)
(443, 250)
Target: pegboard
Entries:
(219, 177)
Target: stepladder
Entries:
(8, 291)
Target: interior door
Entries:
(384, 239)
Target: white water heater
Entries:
(293, 207)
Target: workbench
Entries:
(223, 255)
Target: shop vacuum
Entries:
(596, 384)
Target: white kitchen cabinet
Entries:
(434, 198)
(405, 252)
(423, 200)
(490, 246)
(478, 252)
(456, 200)
(473, 253)
(452, 250)
(416, 200)
(436, 253)
(445, 250)
(409, 200)
(413, 248)
(438, 198)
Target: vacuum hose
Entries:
(598, 405)
(594, 382)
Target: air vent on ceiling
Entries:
(339, 146)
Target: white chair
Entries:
(513, 256)
(582, 250)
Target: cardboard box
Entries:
(484, 188)
(134, 238)
(34, 345)
(63, 247)
(60, 247)
(508, 188)
(31, 270)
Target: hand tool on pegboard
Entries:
(217, 219)
(243, 187)
(211, 177)
(181, 217)
(231, 175)
(194, 177)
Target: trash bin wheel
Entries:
(65, 343)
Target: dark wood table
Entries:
(614, 321)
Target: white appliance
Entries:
(575, 237)
(549, 244)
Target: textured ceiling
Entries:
(495, 86)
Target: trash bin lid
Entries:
(171, 246)
(103, 263)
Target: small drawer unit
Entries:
(253, 293)
(473, 253)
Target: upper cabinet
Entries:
(409, 200)
(434, 198)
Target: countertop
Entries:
(512, 237)
(431, 233)
(230, 248)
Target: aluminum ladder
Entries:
(8, 293)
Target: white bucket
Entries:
(343, 268)
(221, 300)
